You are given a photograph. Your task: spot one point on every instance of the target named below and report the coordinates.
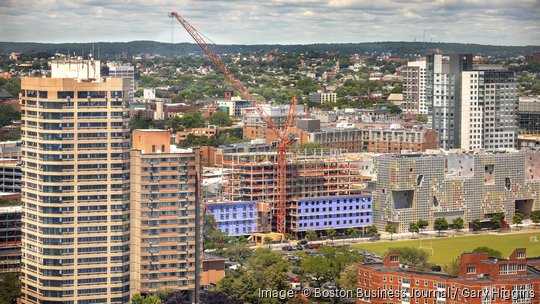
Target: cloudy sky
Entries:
(500, 22)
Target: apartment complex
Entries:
(481, 280)
(488, 110)
(373, 139)
(470, 107)
(10, 175)
(10, 239)
(75, 192)
(234, 107)
(443, 95)
(470, 185)
(321, 175)
(120, 69)
(165, 240)
(255, 126)
(414, 88)
(323, 97)
(529, 115)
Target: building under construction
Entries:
(320, 178)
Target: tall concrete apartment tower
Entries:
(75, 192)
(166, 214)
(120, 69)
(443, 95)
(414, 87)
(489, 108)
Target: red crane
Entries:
(283, 135)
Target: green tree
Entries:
(535, 216)
(391, 228)
(7, 114)
(458, 224)
(139, 92)
(413, 227)
(174, 123)
(331, 233)
(497, 219)
(215, 239)
(372, 230)
(347, 278)
(411, 256)
(331, 264)
(352, 232)
(395, 109)
(151, 299)
(237, 252)
(267, 240)
(10, 289)
(490, 251)
(440, 224)
(517, 219)
(421, 118)
(311, 235)
(193, 119)
(317, 266)
(453, 267)
(138, 121)
(422, 224)
(137, 299)
(220, 118)
(475, 225)
(265, 270)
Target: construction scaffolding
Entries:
(310, 174)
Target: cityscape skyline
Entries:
(276, 21)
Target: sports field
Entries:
(447, 248)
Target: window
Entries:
(471, 269)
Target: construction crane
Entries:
(280, 208)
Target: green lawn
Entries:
(447, 248)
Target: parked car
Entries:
(287, 248)
(315, 246)
(298, 247)
(293, 278)
(303, 242)
(375, 238)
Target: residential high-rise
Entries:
(75, 192)
(489, 104)
(529, 115)
(443, 95)
(166, 246)
(120, 69)
(414, 87)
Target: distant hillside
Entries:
(110, 49)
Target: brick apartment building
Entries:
(482, 280)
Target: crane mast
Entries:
(283, 136)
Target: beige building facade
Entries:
(166, 241)
(75, 192)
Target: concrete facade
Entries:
(414, 88)
(458, 184)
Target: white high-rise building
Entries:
(120, 69)
(489, 102)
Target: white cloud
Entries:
(274, 21)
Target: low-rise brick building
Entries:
(481, 280)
